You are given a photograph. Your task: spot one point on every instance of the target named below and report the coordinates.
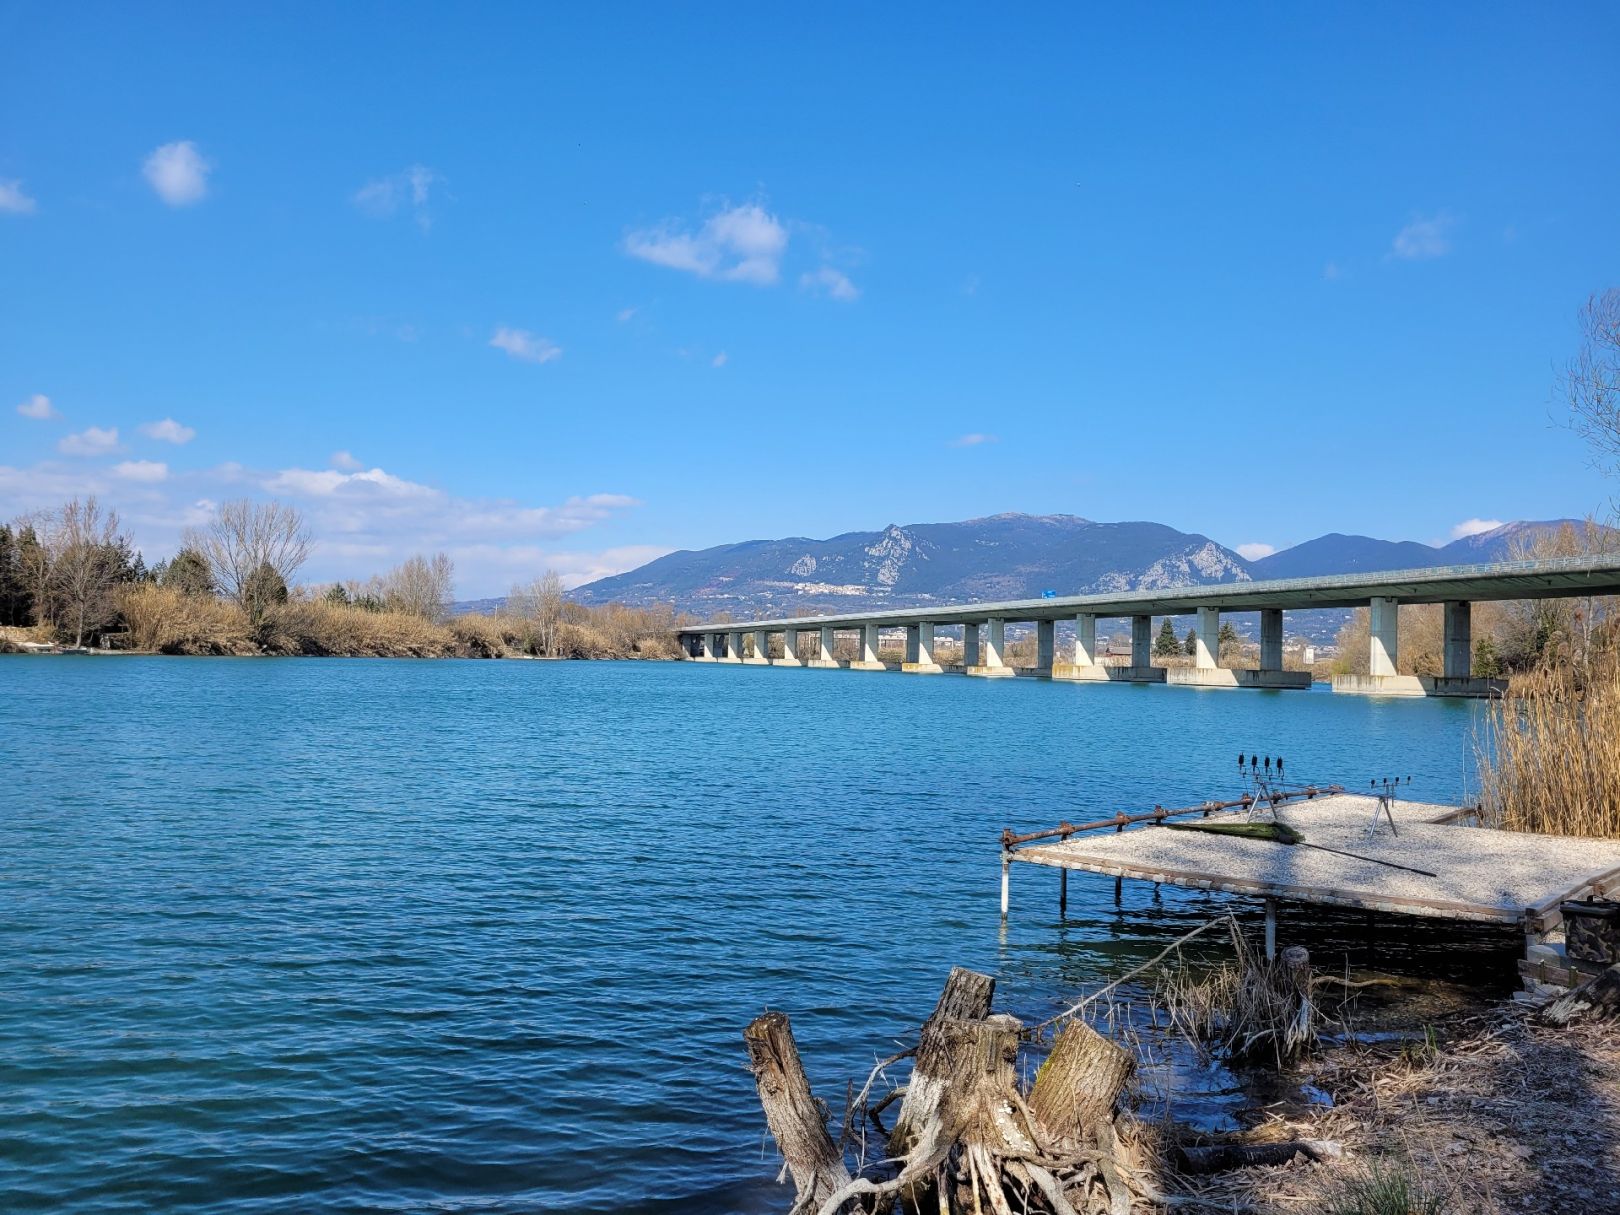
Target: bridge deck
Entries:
(1484, 874)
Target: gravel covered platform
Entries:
(1483, 874)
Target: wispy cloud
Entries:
(1424, 238)
(168, 431)
(1332, 272)
(386, 196)
(1474, 527)
(626, 314)
(529, 347)
(973, 440)
(149, 471)
(834, 284)
(743, 244)
(720, 360)
(1254, 551)
(178, 173)
(37, 406)
(92, 441)
(345, 461)
(12, 199)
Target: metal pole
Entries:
(1271, 930)
(1006, 864)
(1063, 892)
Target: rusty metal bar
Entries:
(1158, 814)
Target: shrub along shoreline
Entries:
(164, 620)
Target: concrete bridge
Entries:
(983, 627)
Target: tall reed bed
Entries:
(1550, 752)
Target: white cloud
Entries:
(363, 522)
(832, 283)
(169, 431)
(93, 441)
(12, 199)
(1254, 551)
(626, 314)
(345, 461)
(37, 406)
(178, 173)
(1474, 527)
(973, 440)
(742, 244)
(719, 360)
(1424, 238)
(529, 347)
(150, 471)
(1332, 272)
(383, 198)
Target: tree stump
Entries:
(1078, 1084)
(797, 1121)
(966, 997)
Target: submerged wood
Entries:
(966, 997)
(797, 1121)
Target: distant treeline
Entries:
(71, 576)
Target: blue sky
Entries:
(573, 287)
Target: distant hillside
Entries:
(1002, 557)
(1340, 554)
(1007, 556)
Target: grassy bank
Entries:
(164, 620)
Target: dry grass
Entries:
(1550, 757)
(1245, 1009)
(165, 620)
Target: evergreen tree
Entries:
(265, 588)
(1487, 663)
(1227, 639)
(1191, 646)
(336, 594)
(13, 592)
(1167, 645)
(189, 573)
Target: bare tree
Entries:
(1592, 378)
(245, 538)
(539, 606)
(87, 561)
(420, 586)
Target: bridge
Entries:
(983, 628)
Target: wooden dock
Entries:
(1480, 874)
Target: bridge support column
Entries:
(1383, 650)
(1141, 669)
(1206, 639)
(992, 662)
(1271, 640)
(762, 649)
(824, 649)
(1045, 648)
(920, 650)
(731, 647)
(1206, 670)
(970, 646)
(868, 660)
(705, 648)
(1084, 666)
(790, 649)
(1458, 678)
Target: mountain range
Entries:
(1008, 556)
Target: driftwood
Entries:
(1596, 998)
(797, 1121)
(1218, 1158)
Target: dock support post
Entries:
(1271, 930)
(1006, 864)
(1063, 893)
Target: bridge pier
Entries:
(790, 650)
(1383, 676)
(868, 661)
(970, 645)
(824, 649)
(705, 648)
(762, 649)
(1141, 669)
(920, 650)
(1045, 647)
(1458, 678)
(730, 647)
(1084, 666)
(992, 664)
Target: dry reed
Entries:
(1245, 1008)
(1549, 759)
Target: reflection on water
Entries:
(368, 934)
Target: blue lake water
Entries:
(335, 935)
